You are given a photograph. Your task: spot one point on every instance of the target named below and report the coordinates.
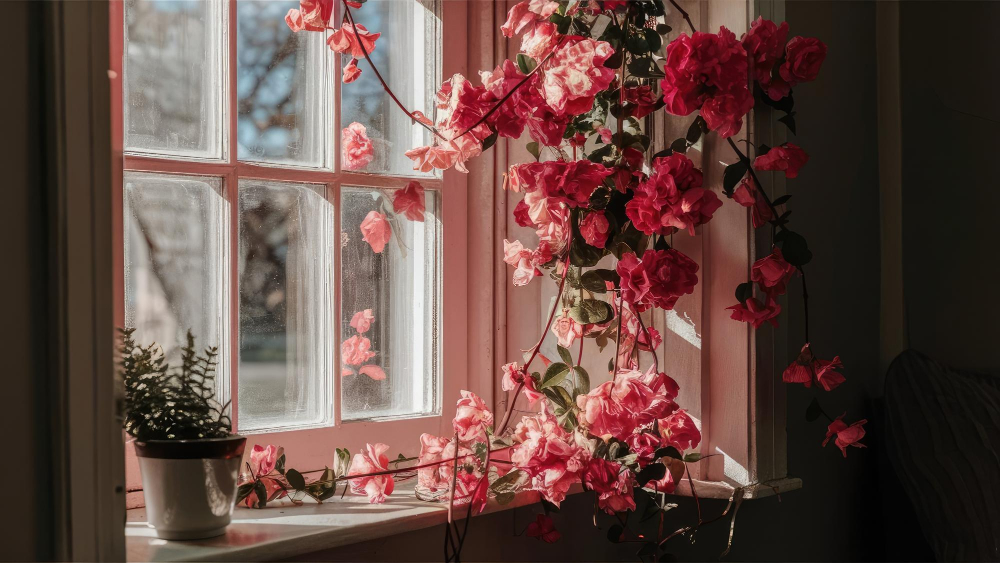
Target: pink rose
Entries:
(345, 41)
(765, 43)
(521, 216)
(612, 483)
(410, 201)
(374, 372)
(680, 431)
(671, 198)
(569, 182)
(263, 459)
(446, 155)
(351, 71)
(472, 417)
(362, 320)
(440, 477)
(549, 454)
(312, 15)
(567, 330)
(376, 231)
(513, 375)
(357, 148)
(518, 18)
(787, 157)
(803, 58)
(356, 350)
(525, 261)
(807, 369)
(539, 39)
(658, 280)
(772, 273)
(616, 408)
(575, 74)
(372, 460)
(724, 113)
(747, 196)
(554, 229)
(846, 435)
(644, 445)
(594, 229)
(543, 528)
(273, 490)
(756, 313)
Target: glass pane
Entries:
(174, 83)
(390, 353)
(408, 56)
(283, 87)
(176, 236)
(285, 306)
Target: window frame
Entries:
(312, 448)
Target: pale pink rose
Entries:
(679, 430)
(357, 148)
(312, 15)
(566, 329)
(605, 134)
(376, 231)
(525, 261)
(409, 201)
(772, 273)
(356, 350)
(594, 229)
(616, 408)
(351, 71)
(346, 371)
(362, 320)
(446, 155)
(472, 417)
(518, 18)
(514, 375)
(756, 313)
(263, 459)
(552, 456)
(372, 371)
(345, 41)
(613, 484)
(372, 460)
(575, 74)
(539, 38)
(846, 435)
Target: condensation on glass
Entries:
(286, 308)
(401, 286)
(284, 105)
(409, 56)
(175, 78)
(176, 240)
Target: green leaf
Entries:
(692, 457)
(595, 281)
(591, 311)
(582, 380)
(295, 479)
(679, 145)
(510, 482)
(732, 176)
(533, 149)
(565, 354)
(647, 549)
(582, 254)
(782, 200)
(794, 248)
(615, 533)
(668, 451)
(525, 63)
(557, 399)
(261, 492)
(491, 140)
(744, 291)
(697, 127)
(554, 375)
(653, 40)
(280, 464)
(549, 507)
(814, 411)
(652, 472)
(637, 45)
(789, 121)
(505, 498)
(243, 491)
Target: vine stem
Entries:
(684, 14)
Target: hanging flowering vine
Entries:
(587, 72)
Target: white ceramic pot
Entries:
(190, 485)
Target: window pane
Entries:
(390, 366)
(174, 77)
(285, 306)
(176, 262)
(283, 87)
(408, 56)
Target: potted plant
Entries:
(188, 458)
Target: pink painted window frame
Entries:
(313, 448)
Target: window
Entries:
(241, 222)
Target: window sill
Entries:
(282, 530)
(723, 490)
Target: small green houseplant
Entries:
(188, 457)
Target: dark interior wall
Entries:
(25, 526)
(950, 78)
(836, 515)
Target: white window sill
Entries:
(283, 530)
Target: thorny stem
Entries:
(618, 340)
(649, 341)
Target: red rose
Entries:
(594, 229)
(787, 157)
(803, 58)
(561, 181)
(846, 435)
(756, 313)
(746, 195)
(658, 280)
(807, 369)
(679, 430)
(724, 113)
(772, 273)
(765, 43)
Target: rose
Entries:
(569, 182)
(772, 273)
(612, 483)
(362, 320)
(594, 229)
(566, 329)
(765, 43)
(671, 198)
(616, 408)
(543, 528)
(787, 157)
(807, 368)
(409, 201)
(658, 280)
(724, 113)
(746, 195)
(644, 445)
(472, 417)
(679, 430)
(525, 261)
(357, 148)
(513, 375)
(376, 231)
(351, 71)
(846, 435)
(345, 40)
(356, 350)
(446, 155)
(575, 74)
(263, 459)
(803, 58)
(756, 313)
(372, 460)
(552, 456)
(312, 15)
(642, 102)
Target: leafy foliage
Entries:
(170, 403)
